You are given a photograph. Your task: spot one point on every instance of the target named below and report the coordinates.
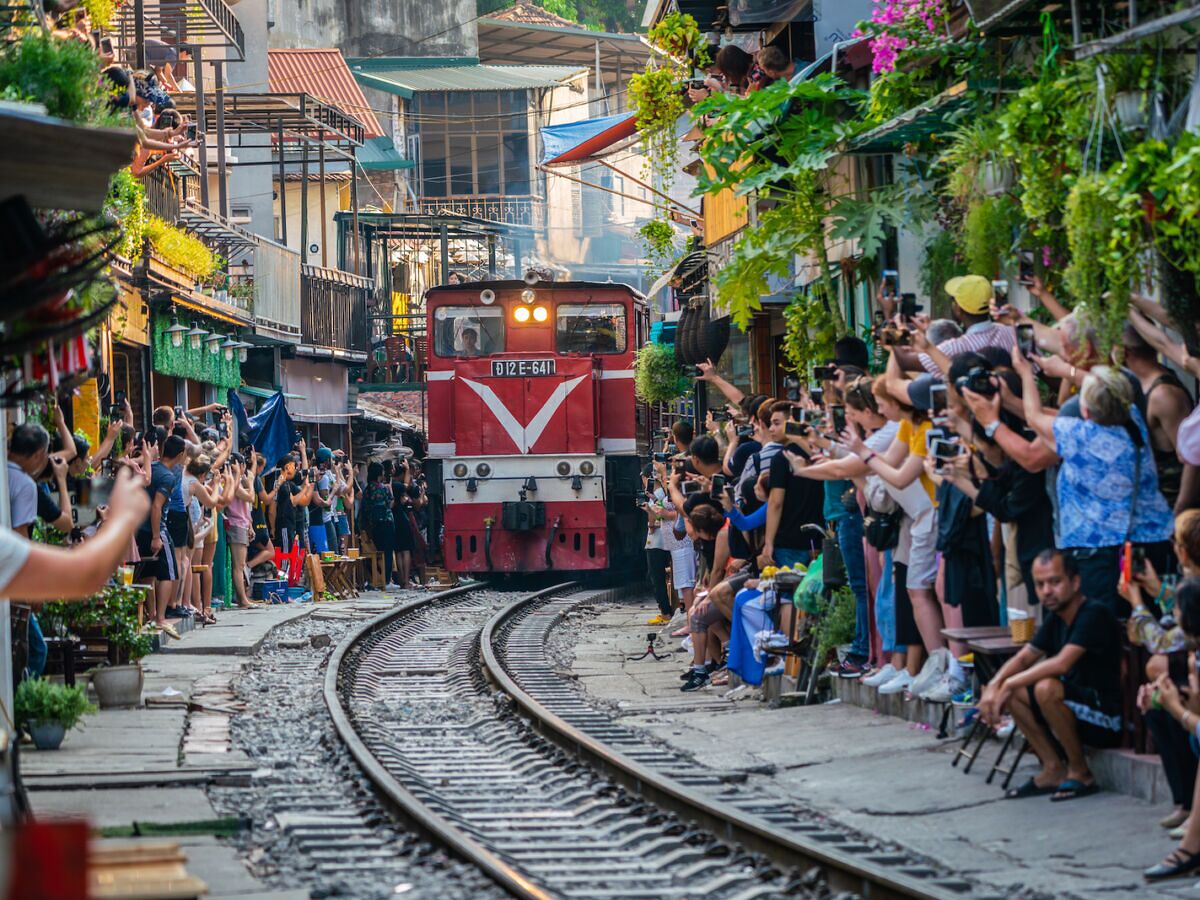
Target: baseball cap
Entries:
(324, 455)
(972, 293)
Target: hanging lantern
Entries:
(229, 345)
(176, 332)
(243, 349)
(213, 341)
(195, 336)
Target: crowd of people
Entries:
(993, 467)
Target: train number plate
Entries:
(522, 368)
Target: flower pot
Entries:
(1130, 109)
(47, 735)
(118, 687)
(995, 177)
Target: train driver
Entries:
(470, 342)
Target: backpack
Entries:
(379, 505)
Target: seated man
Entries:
(1064, 687)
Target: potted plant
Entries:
(657, 376)
(49, 710)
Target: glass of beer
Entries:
(126, 573)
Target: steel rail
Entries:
(842, 870)
(398, 798)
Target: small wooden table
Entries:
(339, 576)
(975, 632)
(990, 654)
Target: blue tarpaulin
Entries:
(270, 430)
(577, 141)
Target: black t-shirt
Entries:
(744, 451)
(285, 512)
(48, 511)
(162, 481)
(803, 503)
(1095, 629)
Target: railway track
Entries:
(456, 716)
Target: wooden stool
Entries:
(1008, 773)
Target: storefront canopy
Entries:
(578, 142)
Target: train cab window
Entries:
(590, 328)
(466, 331)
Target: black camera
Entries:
(979, 380)
(824, 373)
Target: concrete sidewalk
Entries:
(152, 764)
(881, 775)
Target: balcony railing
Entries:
(333, 309)
(276, 290)
(169, 186)
(528, 211)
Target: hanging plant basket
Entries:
(658, 378)
(1130, 109)
(995, 177)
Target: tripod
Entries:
(651, 637)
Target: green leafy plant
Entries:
(113, 611)
(41, 700)
(659, 238)
(127, 204)
(180, 249)
(680, 36)
(809, 333)
(62, 75)
(101, 12)
(988, 235)
(657, 377)
(835, 622)
(1176, 187)
(942, 261)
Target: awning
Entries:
(321, 73)
(379, 154)
(914, 125)
(406, 76)
(577, 142)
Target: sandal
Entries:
(1179, 862)
(1030, 789)
(1073, 789)
(719, 678)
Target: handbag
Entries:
(833, 567)
(882, 529)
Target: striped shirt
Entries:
(981, 334)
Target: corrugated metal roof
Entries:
(413, 76)
(323, 74)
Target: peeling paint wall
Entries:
(377, 27)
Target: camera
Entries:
(824, 373)
(892, 336)
(720, 415)
(693, 84)
(979, 380)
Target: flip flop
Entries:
(1073, 789)
(1030, 789)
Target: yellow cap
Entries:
(972, 293)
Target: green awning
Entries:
(378, 154)
(406, 76)
(914, 125)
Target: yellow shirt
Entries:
(915, 438)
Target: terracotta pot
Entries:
(119, 687)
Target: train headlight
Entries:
(563, 468)
(540, 314)
(521, 313)
(586, 467)
(527, 296)
(460, 470)
(483, 470)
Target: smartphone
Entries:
(191, 131)
(1000, 292)
(662, 457)
(1025, 265)
(817, 394)
(824, 373)
(1026, 341)
(1138, 564)
(937, 399)
(945, 449)
(691, 487)
(718, 485)
(891, 282)
(799, 414)
(837, 413)
(179, 412)
(106, 46)
(909, 306)
(796, 429)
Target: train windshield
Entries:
(466, 331)
(590, 328)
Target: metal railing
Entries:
(162, 194)
(333, 309)
(530, 211)
(277, 288)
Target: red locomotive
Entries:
(533, 425)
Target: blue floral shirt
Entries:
(1095, 486)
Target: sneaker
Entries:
(944, 690)
(967, 696)
(899, 683)
(709, 668)
(660, 619)
(880, 676)
(679, 618)
(851, 669)
(686, 644)
(696, 680)
(1006, 728)
(931, 673)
